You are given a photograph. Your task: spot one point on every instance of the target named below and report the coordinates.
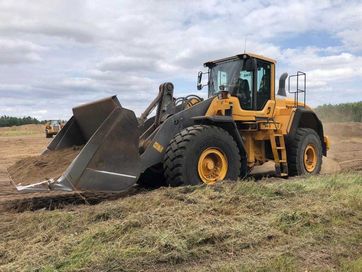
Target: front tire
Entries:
(304, 153)
(201, 154)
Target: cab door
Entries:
(263, 90)
(261, 101)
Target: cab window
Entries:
(263, 85)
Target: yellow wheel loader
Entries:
(193, 141)
(52, 127)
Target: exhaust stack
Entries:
(281, 89)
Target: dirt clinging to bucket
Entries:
(38, 168)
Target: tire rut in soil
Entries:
(62, 201)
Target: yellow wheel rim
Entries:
(212, 165)
(310, 158)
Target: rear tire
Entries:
(304, 153)
(201, 154)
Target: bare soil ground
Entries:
(18, 143)
(346, 145)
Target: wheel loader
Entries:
(189, 140)
(52, 127)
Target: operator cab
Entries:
(248, 77)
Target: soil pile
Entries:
(346, 143)
(42, 167)
(343, 129)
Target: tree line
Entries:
(8, 121)
(346, 112)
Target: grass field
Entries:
(25, 130)
(301, 224)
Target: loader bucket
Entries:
(109, 160)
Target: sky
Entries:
(57, 54)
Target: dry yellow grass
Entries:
(21, 130)
(301, 224)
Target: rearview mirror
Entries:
(199, 78)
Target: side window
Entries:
(263, 85)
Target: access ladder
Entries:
(279, 152)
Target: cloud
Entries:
(19, 51)
(77, 51)
(352, 38)
(323, 68)
(126, 64)
(55, 19)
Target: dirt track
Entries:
(345, 154)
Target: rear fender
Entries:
(305, 118)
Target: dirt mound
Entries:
(42, 167)
(346, 143)
(343, 129)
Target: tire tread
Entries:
(176, 151)
(293, 148)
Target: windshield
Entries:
(232, 76)
(224, 74)
(54, 123)
(249, 81)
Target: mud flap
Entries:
(109, 160)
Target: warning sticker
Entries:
(158, 147)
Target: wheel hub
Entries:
(209, 164)
(310, 158)
(212, 165)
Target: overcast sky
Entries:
(57, 54)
